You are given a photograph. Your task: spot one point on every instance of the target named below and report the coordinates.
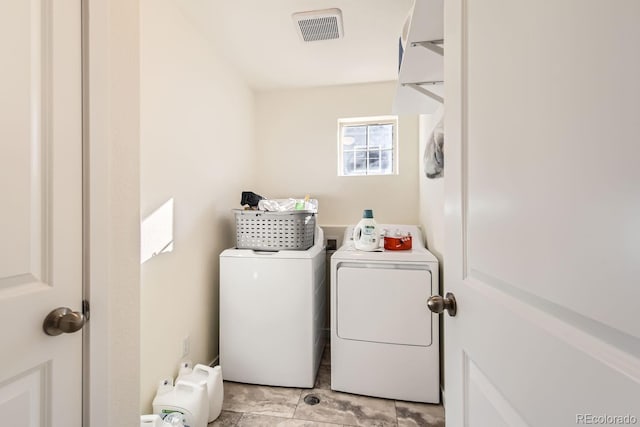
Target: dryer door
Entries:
(384, 303)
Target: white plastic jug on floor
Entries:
(190, 399)
(213, 378)
(154, 420)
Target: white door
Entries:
(41, 216)
(542, 212)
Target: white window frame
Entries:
(369, 121)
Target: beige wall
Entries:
(113, 175)
(296, 148)
(432, 212)
(196, 147)
(431, 195)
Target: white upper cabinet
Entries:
(420, 82)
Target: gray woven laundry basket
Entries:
(274, 231)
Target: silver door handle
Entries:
(63, 320)
(437, 304)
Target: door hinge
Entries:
(85, 309)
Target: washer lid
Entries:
(312, 252)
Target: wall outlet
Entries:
(332, 243)
(186, 346)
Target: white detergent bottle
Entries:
(189, 399)
(213, 379)
(366, 235)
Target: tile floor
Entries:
(247, 405)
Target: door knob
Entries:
(437, 304)
(63, 320)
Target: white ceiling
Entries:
(259, 39)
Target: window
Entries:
(368, 146)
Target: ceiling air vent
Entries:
(319, 24)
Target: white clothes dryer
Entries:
(384, 340)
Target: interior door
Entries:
(542, 212)
(41, 217)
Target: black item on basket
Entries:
(250, 198)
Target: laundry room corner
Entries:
(432, 209)
(196, 158)
(431, 203)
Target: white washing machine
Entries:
(272, 307)
(384, 339)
